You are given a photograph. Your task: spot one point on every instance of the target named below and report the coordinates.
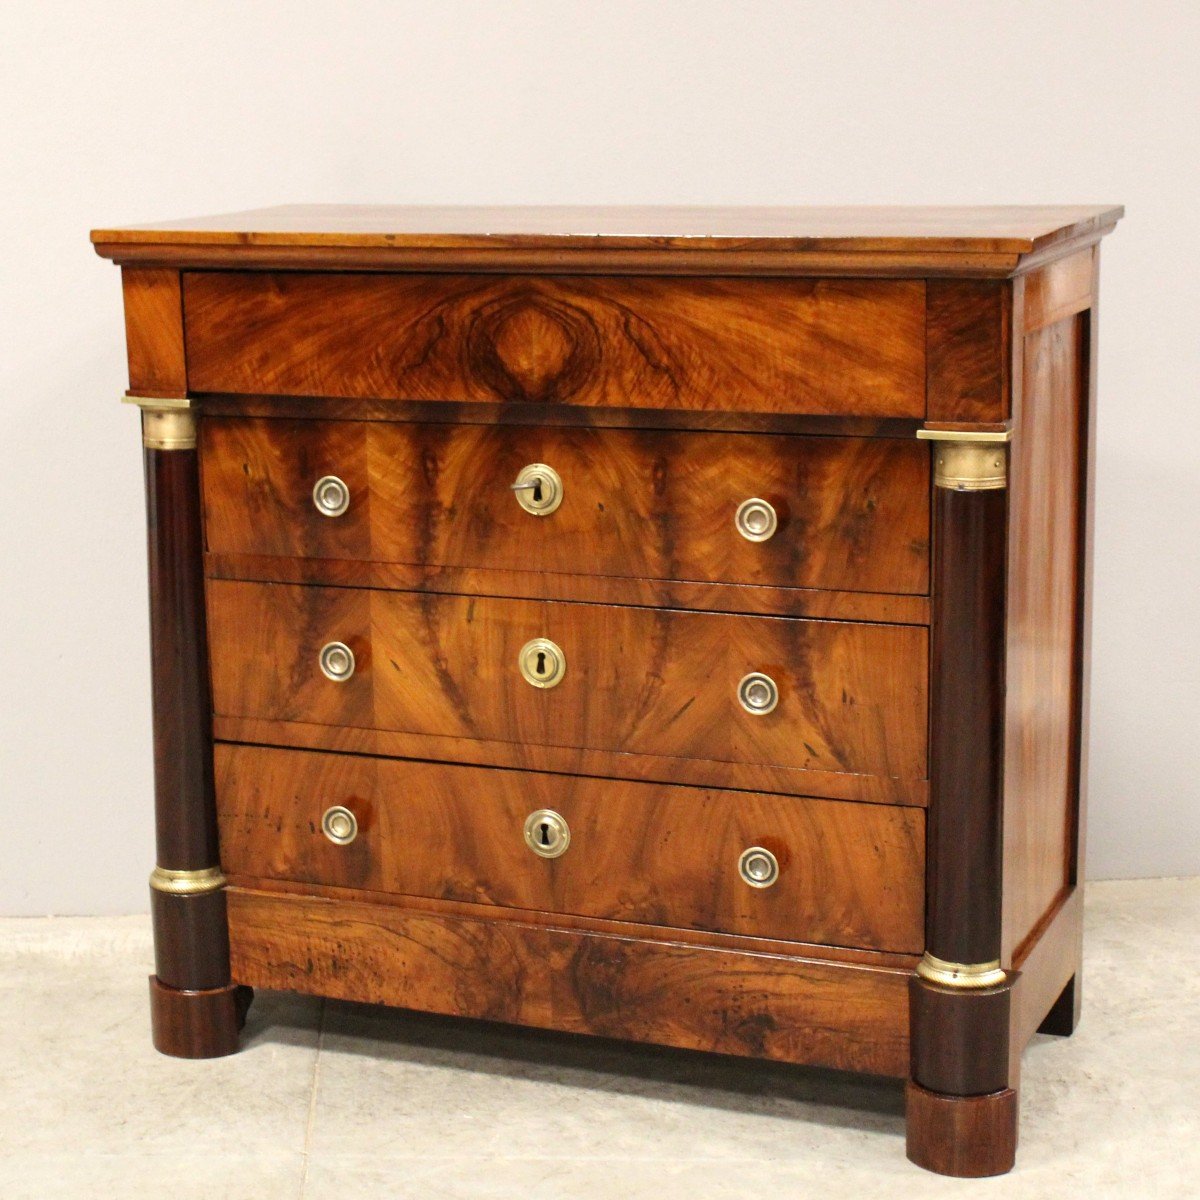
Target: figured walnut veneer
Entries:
(920, 784)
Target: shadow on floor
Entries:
(596, 1064)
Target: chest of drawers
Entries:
(667, 625)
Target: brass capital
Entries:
(969, 460)
(187, 883)
(167, 423)
(960, 975)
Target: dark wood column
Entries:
(195, 1010)
(962, 1111)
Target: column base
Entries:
(197, 1024)
(966, 1136)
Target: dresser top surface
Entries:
(991, 229)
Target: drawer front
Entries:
(851, 696)
(848, 874)
(805, 346)
(849, 513)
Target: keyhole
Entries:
(541, 669)
(544, 834)
(537, 489)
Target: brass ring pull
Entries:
(336, 661)
(542, 663)
(756, 520)
(331, 496)
(758, 694)
(339, 825)
(547, 833)
(758, 867)
(538, 489)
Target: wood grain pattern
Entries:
(566, 760)
(765, 1006)
(984, 241)
(850, 875)
(852, 697)
(853, 513)
(1046, 486)
(802, 346)
(1059, 290)
(601, 925)
(556, 416)
(878, 607)
(967, 349)
(154, 332)
(969, 1137)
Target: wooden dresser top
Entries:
(983, 241)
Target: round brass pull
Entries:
(339, 825)
(542, 663)
(538, 489)
(337, 661)
(758, 867)
(547, 833)
(331, 496)
(758, 694)
(756, 520)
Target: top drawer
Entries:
(794, 346)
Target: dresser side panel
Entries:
(1043, 656)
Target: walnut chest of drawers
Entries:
(665, 624)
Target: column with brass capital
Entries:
(195, 1010)
(962, 1109)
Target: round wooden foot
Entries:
(197, 1024)
(965, 1136)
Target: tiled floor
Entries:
(346, 1101)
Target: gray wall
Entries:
(116, 113)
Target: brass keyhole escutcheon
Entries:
(538, 489)
(758, 867)
(547, 833)
(542, 663)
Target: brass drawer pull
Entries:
(339, 825)
(756, 520)
(758, 867)
(538, 489)
(330, 496)
(758, 694)
(337, 661)
(547, 833)
(542, 663)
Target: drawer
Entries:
(848, 513)
(851, 697)
(804, 346)
(848, 874)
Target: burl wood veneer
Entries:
(657, 624)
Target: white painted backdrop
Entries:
(120, 112)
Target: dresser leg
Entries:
(196, 1011)
(200, 1023)
(1063, 1016)
(966, 1136)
